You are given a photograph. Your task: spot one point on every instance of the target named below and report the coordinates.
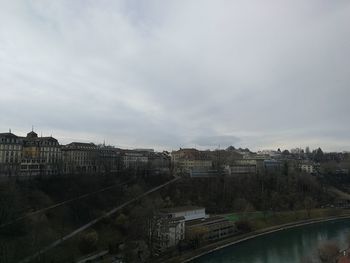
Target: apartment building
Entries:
(10, 154)
(40, 155)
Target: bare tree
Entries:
(328, 252)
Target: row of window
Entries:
(10, 140)
(10, 147)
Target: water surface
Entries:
(287, 246)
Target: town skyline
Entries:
(66, 141)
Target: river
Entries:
(287, 246)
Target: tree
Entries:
(122, 223)
(241, 205)
(88, 242)
(309, 203)
(285, 152)
(197, 234)
(328, 252)
(307, 150)
(318, 155)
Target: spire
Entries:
(10, 130)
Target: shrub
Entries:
(88, 242)
(244, 226)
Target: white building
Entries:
(307, 167)
(188, 212)
(168, 227)
(166, 232)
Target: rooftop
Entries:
(207, 221)
(181, 209)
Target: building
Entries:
(188, 212)
(307, 167)
(79, 158)
(204, 173)
(185, 160)
(10, 154)
(244, 166)
(167, 228)
(84, 158)
(29, 156)
(159, 162)
(166, 232)
(108, 159)
(272, 165)
(210, 229)
(40, 155)
(135, 159)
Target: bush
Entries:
(244, 226)
(88, 242)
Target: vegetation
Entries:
(269, 192)
(252, 201)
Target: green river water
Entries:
(287, 246)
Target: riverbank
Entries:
(191, 255)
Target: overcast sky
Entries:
(170, 74)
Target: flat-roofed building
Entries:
(188, 212)
(210, 229)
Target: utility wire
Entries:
(62, 203)
(77, 231)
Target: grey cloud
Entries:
(168, 74)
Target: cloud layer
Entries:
(165, 74)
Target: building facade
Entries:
(210, 229)
(10, 154)
(135, 159)
(87, 158)
(29, 156)
(40, 155)
(166, 233)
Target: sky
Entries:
(168, 74)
